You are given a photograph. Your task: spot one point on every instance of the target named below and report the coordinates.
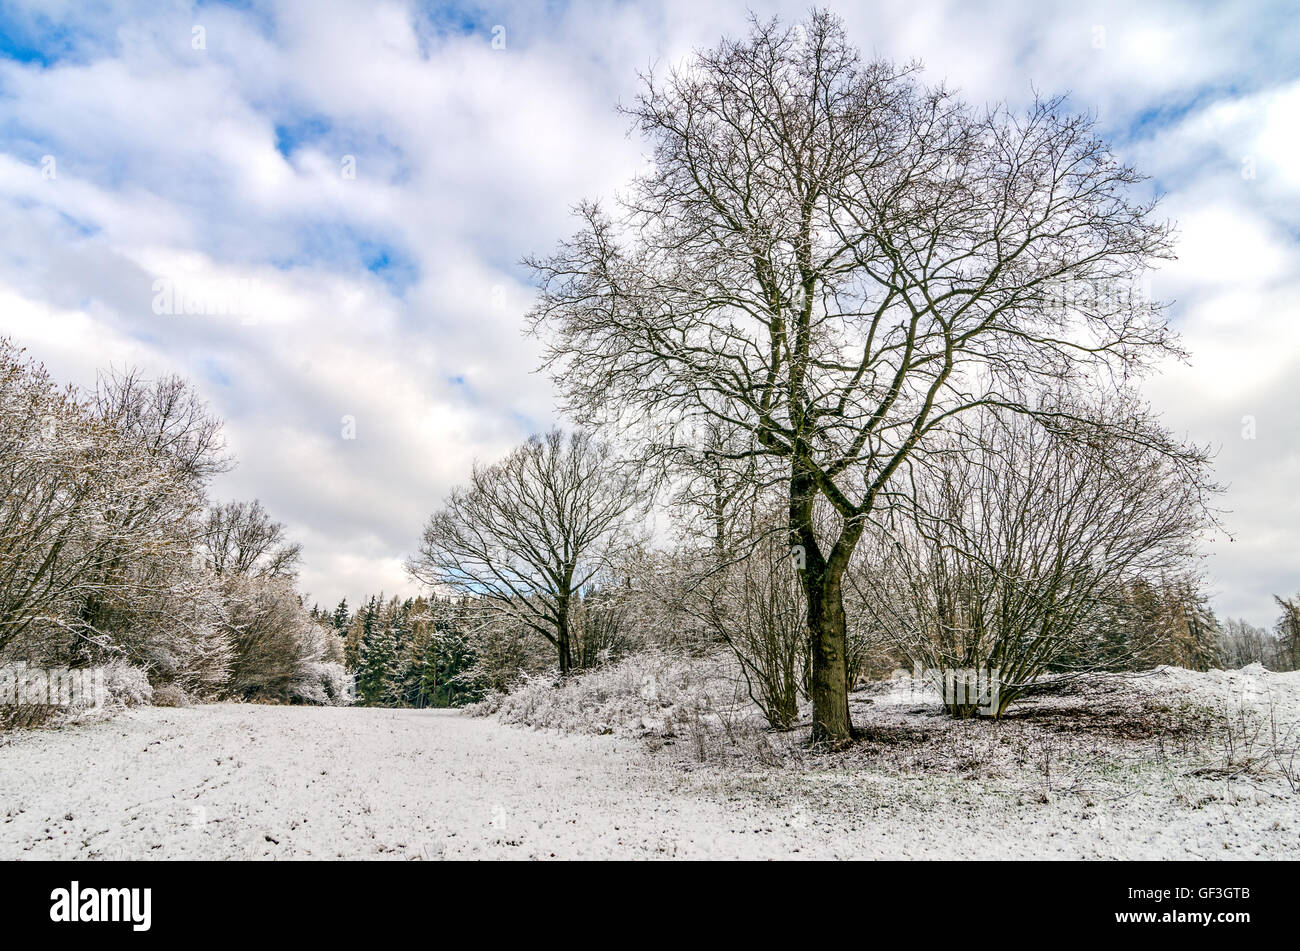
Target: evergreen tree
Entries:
(411, 653)
(397, 620)
(341, 617)
(375, 663)
(360, 629)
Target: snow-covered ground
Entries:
(240, 781)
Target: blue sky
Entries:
(373, 173)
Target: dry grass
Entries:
(24, 716)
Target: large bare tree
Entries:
(528, 534)
(841, 261)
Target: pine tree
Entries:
(360, 628)
(341, 617)
(397, 617)
(423, 657)
(378, 650)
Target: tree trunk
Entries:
(562, 641)
(827, 630)
(828, 644)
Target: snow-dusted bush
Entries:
(755, 606)
(664, 698)
(326, 684)
(645, 693)
(184, 638)
(127, 686)
(170, 695)
(25, 716)
(277, 643)
(1016, 554)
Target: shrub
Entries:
(127, 686)
(170, 695)
(325, 684)
(25, 716)
(1007, 556)
(277, 644)
(756, 607)
(645, 693)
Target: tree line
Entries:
(114, 554)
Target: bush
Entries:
(659, 697)
(756, 607)
(170, 695)
(183, 638)
(324, 684)
(1009, 556)
(277, 644)
(127, 686)
(25, 716)
(645, 693)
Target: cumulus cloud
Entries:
(372, 174)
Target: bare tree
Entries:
(529, 533)
(1009, 557)
(164, 418)
(241, 538)
(840, 262)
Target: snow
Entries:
(270, 782)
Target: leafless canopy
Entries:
(241, 538)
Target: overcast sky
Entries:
(375, 171)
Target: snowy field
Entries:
(243, 781)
